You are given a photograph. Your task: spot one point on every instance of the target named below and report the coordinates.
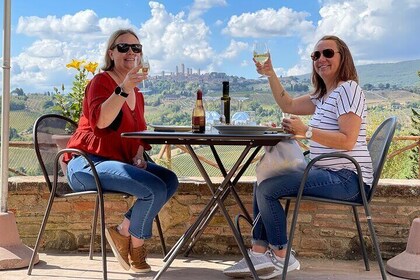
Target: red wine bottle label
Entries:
(198, 124)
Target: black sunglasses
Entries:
(123, 47)
(327, 53)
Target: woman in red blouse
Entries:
(113, 104)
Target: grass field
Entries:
(23, 121)
(24, 160)
(183, 165)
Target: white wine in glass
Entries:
(145, 68)
(145, 65)
(261, 54)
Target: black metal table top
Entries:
(207, 138)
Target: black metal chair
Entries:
(378, 147)
(51, 133)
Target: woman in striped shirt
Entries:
(338, 124)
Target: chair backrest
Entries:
(378, 147)
(51, 133)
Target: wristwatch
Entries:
(118, 91)
(308, 133)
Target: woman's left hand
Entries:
(294, 125)
(139, 160)
(140, 163)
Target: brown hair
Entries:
(346, 71)
(109, 63)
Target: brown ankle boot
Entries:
(120, 245)
(138, 259)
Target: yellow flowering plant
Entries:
(70, 105)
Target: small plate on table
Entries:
(241, 129)
(171, 128)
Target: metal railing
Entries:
(167, 153)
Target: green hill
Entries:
(401, 74)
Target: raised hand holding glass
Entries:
(261, 54)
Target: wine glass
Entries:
(261, 54)
(145, 68)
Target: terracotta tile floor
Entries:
(78, 266)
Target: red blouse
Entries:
(107, 142)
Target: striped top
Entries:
(346, 98)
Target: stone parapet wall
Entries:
(324, 230)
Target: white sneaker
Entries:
(279, 265)
(262, 264)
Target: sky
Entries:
(210, 35)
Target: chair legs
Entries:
(376, 246)
(103, 240)
(162, 240)
(291, 234)
(100, 199)
(99, 209)
(362, 243)
(94, 224)
(365, 258)
(375, 242)
(286, 207)
(41, 232)
(238, 226)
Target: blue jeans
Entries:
(152, 187)
(270, 229)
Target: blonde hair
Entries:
(346, 71)
(109, 63)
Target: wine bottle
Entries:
(199, 115)
(225, 103)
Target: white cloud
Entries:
(109, 25)
(234, 48)
(34, 68)
(201, 6)
(296, 70)
(218, 22)
(269, 23)
(374, 30)
(383, 29)
(47, 48)
(69, 26)
(175, 39)
(81, 36)
(413, 4)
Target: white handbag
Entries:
(280, 159)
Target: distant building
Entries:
(176, 70)
(183, 69)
